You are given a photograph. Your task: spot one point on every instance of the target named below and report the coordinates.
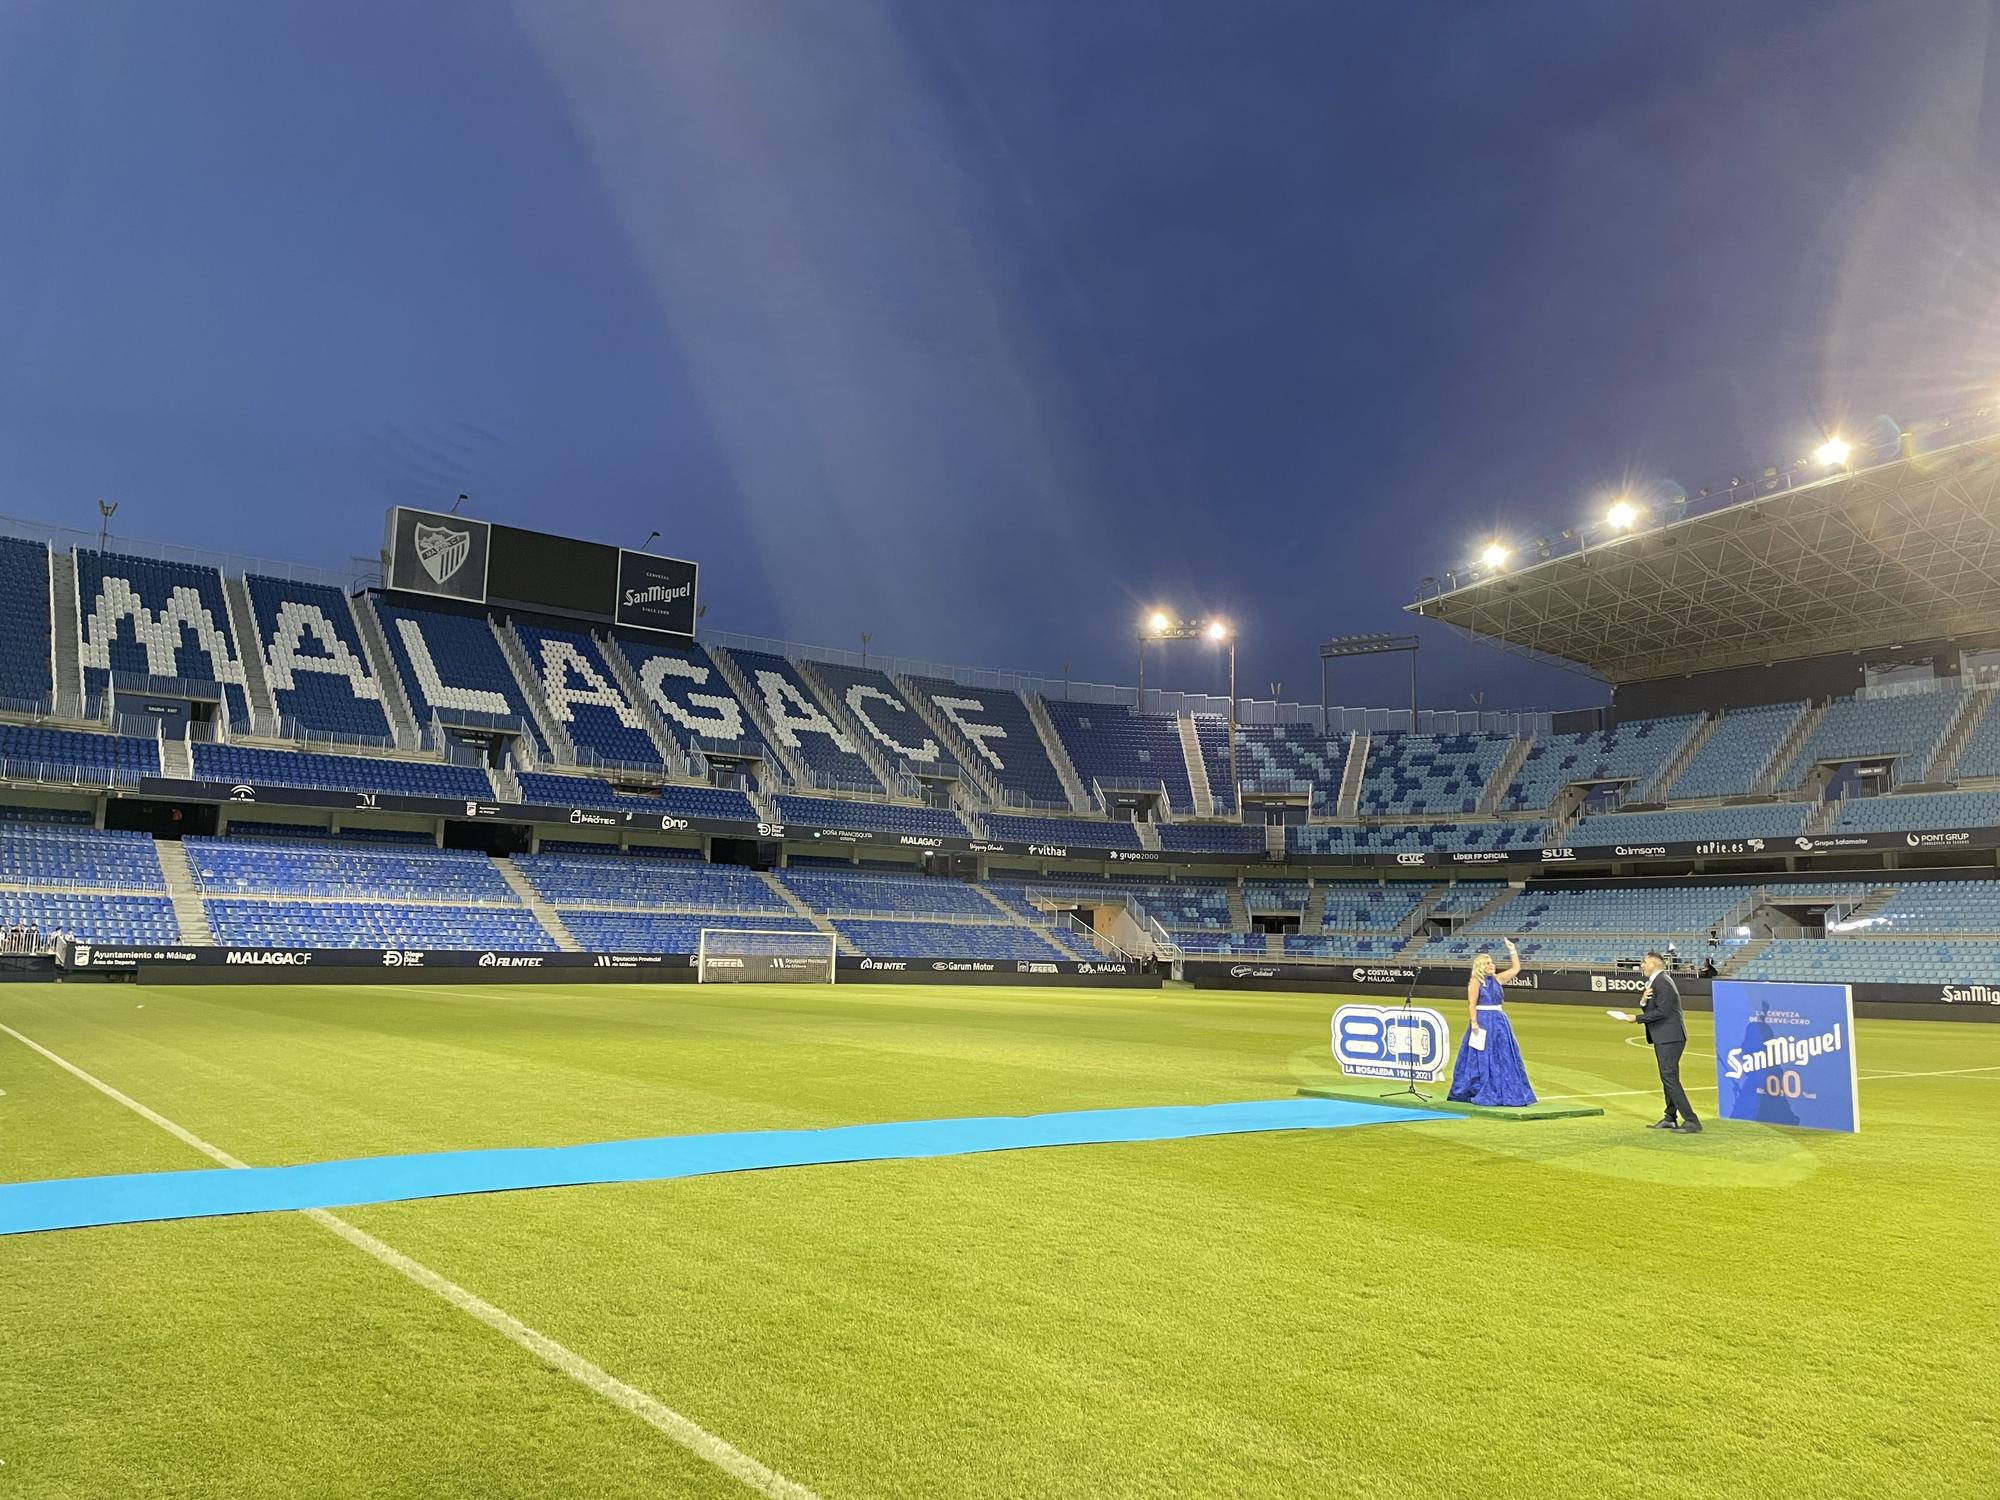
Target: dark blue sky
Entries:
(980, 326)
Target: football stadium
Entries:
(485, 1012)
(422, 980)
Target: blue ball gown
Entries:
(1495, 1075)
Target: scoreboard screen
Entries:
(481, 562)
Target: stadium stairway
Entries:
(1149, 835)
(62, 599)
(1971, 712)
(506, 785)
(184, 891)
(1274, 840)
(1239, 910)
(1353, 775)
(1314, 916)
(176, 759)
(1197, 767)
(1069, 944)
(382, 667)
(842, 943)
(1058, 753)
(250, 649)
(1504, 774)
(547, 915)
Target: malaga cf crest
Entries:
(442, 551)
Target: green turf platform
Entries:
(1452, 1107)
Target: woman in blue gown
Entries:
(1493, 1074)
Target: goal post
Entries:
(762, 955)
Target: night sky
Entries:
(982, 326)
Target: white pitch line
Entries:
(697, 1439)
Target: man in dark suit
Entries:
(1660, 1014)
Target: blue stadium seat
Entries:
(689, 696)
(452, 665)
(1112, 746)
(1396, 838)
(1429, 773)
(1772, 821)
(1903, 727)
(990, 941)
(584, 698)
(156, 619)
(1082, 833)
(62, 855)
(880, 817)
(94, 916)
(884, 714)
(342, 773)
(314, 659)
(826, 890)
(236, 867)
(566, 880)
(674, 800)
(1737, 751)
(26, 664)
(372, 924)
(29, 752)
(1633, 753)
(664, 932)
(996, 724)
(1914, 811)
(1981, 755)
(1280, 756)
(801, 725)
(1215, 838)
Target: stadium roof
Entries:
(1902, 552)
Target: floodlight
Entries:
(1495, 555)
(1833, 452)
(1622, 515)
(1158, 622)
(1217, 631)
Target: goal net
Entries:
(735, 955)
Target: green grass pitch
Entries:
(1574, 1307)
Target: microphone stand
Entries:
(1410, 1086)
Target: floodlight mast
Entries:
(1342, 646)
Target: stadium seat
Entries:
(1737, 751)
(28, 752)
(1114, 747)
(157, 619)
(996, 724)
(673, 800)
(1633, 753)
(1901, 812)
(1781, 820)
(882, 712)
(880, 817)
(1082, 833)
(584, 698)
(314, 660)
(342, 773)
(689, 696)
(26, 670)
(452, 665)
(1429, 773)
(1905, 727)
(801, 725)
